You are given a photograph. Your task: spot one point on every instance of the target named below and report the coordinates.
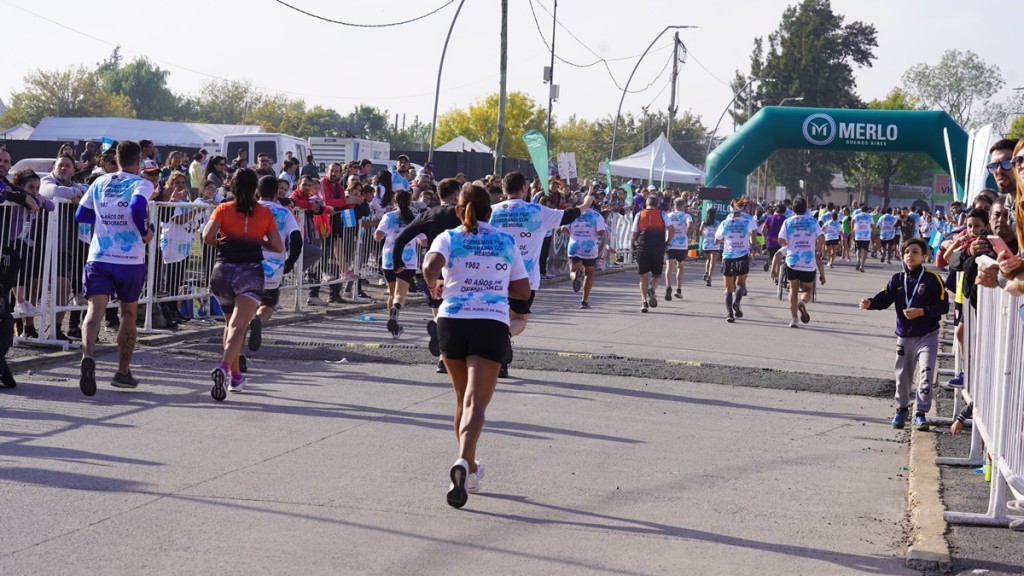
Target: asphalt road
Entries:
(625, 443)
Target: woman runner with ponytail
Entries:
(390, 226)
(240, 229)
(482, 269)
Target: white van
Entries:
(274, 145)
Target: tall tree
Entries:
(70, 92)
(226, 101)
(145, 85)
(480, 121)
(367, 122)
(1017, 128)
(812, 55)
(961, 83)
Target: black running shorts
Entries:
(587, 262)
(461, 338)
(271, 297)
(863, 244)
(647, 261)
(406, 275)
(678, 255)
(736, 266)
(806, 276)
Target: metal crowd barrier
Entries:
(994, 374)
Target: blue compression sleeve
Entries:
(140, 213)
(85, 215)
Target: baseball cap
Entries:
(652, 188)
(149, 165)
(429, 165)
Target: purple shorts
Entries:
(122, 280)
(228, 282)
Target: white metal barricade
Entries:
(996, 385)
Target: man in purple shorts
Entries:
(117, 207)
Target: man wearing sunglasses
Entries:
(1001, 166)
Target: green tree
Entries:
(480, 120)
(144, 84)
(414, 136)
(277, 114)
(960, 84)
(869, 169)
(368, 122)
(71, 92)
(812, 55)
(320, 121)
(225, 102)
(1017, 128)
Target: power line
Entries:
(388, 25)
(600, 59)
(712, 74)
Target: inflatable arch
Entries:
(889, 131)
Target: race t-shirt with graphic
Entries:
(863, 223)
(527, 223)
(273, 262)
(832, 229)
(734, 232)
(680, 222)
(478, 269)
(887, 227)
(708, 242)
(179, 232)
(391, 226)
(584, 235)
(116, 239)
(801, 234)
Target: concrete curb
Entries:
(929, 550)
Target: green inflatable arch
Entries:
(888, 131)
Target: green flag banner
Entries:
(608, 173)
(628, 187)
(663, 161)
(537, 146)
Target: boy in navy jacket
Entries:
(920, 299)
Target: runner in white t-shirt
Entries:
(802, 237)
(117, 207)
(832, 227)
(682, 224)
(389, 227)
(737, 233)
(527, 223)
(709, 245)
(585, 235)
(275, 264)
(863, 226)
(483, 269)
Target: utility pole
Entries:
(672, 100)
(499, 147)
(551, 71)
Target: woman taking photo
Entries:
(240, 229)
(482, 269)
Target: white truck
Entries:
(328, 149)
(256, 143)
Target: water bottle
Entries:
(186, 308)
(367, 318)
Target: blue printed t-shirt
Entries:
(734, 232)
(526, 223)
(832, 229)
(801, 234)
(887, 226)
(680, 223)
(273, 262)
(708, 242)
(116, 240)
(391, 225)
(863, 222)
(478, 269)
(584, 235)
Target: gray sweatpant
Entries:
(916, 354)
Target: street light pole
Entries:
(615, 129)
(437, 91)
(551, 81)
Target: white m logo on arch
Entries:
(819, 129)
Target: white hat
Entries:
(652, 188)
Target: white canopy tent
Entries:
(189, 134)
(463, 144)
(638, 165)
(20, 132)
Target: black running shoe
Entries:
(126, 381)
(668, 294)
(87, 380)
(441, 368)
(737, 310)
(243, 365)
(393, 320)
(503, 371)
(6, 376)
(652, 298)
(457, 495)
(255, 333)
(433, 344)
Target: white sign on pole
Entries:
(567, 165)
(780, 193)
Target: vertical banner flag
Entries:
(935, 241)
(107, 143)
(567, 166)
(537, 146)
(608, 173)
(628, 187)
(663, 160)
(650, 177)
(348, 218)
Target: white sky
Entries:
(281, 50)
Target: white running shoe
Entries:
(315, 301)
(473, 478)
(26, 309)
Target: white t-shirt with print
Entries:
(477, 271)
(116, 239)
(863, 222)
(832, 229)
(680, 222)
(734, 232)
(584, 233)
(391, 225)
(708, 241)
(273, 262)
(800, 233)
(526, 223)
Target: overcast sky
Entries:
(395, 68)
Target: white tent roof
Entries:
(638, 165)
(190, 134)
(463, 144)
(20, 132)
